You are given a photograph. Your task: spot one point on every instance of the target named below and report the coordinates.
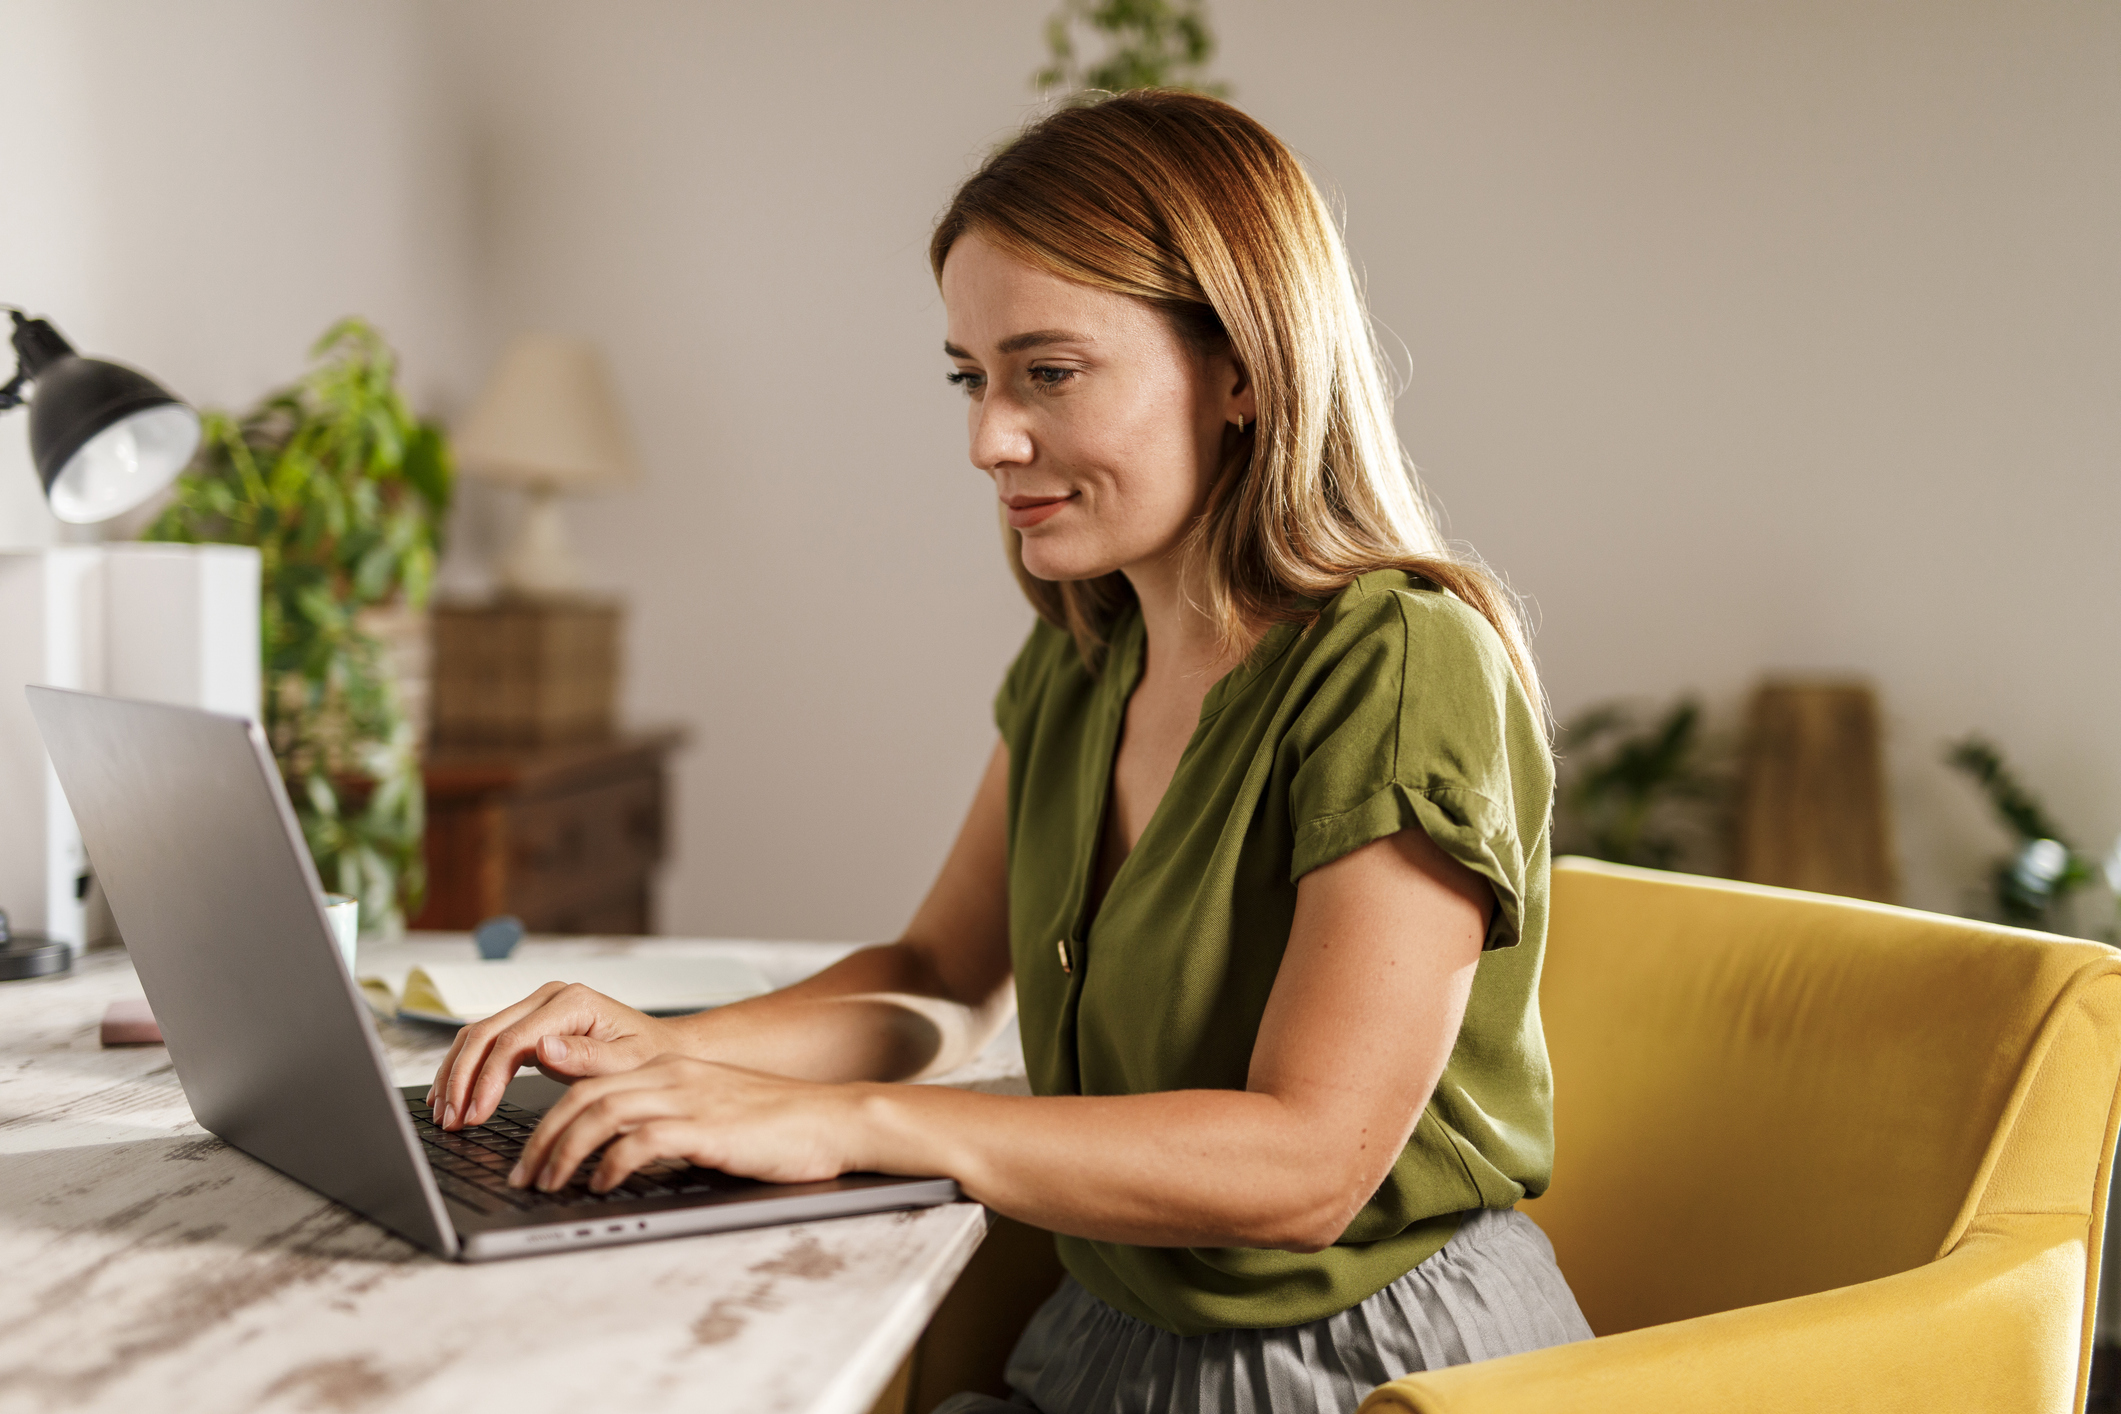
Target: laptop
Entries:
(190, 832)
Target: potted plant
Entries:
(1147, 44)
(342, 490)
(1640, 792)
(2035, 885)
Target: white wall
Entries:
(1744, 338)
(1762, 337)
(201, 189)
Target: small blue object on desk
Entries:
(497, 937)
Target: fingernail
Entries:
(549, 1179)
(516, 1177)
(553, 1049)
(449, 1116)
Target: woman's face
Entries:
(1101, 427)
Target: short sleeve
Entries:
(1421, 720)
(1020, 685)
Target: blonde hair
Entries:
(1183, 201)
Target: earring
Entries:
(1240, 425)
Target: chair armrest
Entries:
(1996, 1324)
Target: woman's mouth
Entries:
(1027, 511)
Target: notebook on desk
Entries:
(196, 846)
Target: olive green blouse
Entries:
(1395, 707)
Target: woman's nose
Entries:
(1001, 435)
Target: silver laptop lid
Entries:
(191, 834)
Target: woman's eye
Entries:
(1051, 377)
(969, 382)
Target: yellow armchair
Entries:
(1813, 1154)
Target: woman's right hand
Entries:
(565, 1029)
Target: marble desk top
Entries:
(148, 1266)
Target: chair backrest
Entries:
(1762, 1094)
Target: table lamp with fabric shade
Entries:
(548, 422)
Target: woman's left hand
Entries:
(718, 1116)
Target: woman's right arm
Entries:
(897, 1011)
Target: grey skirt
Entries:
(1493, 1290)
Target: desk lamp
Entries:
(104, 437)
(548, 422)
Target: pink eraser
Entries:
(130, 1024)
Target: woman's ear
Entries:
(1240, 403)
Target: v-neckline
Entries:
(1125, 662)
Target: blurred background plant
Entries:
(2036, 885)
(1146, 44)
(343, 492)
(1643, 786)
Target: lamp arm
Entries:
(37, 346)
(11, 391)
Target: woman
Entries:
(1261, 857)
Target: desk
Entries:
(150, 1267)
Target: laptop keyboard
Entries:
(472, 1164)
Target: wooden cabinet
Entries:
(566, 838)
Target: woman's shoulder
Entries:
(1411, 713)
(1402, 614)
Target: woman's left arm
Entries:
(1363, 1015)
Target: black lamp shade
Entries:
(104, 437)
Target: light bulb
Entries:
(125, 464)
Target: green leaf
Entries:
(427, 468)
